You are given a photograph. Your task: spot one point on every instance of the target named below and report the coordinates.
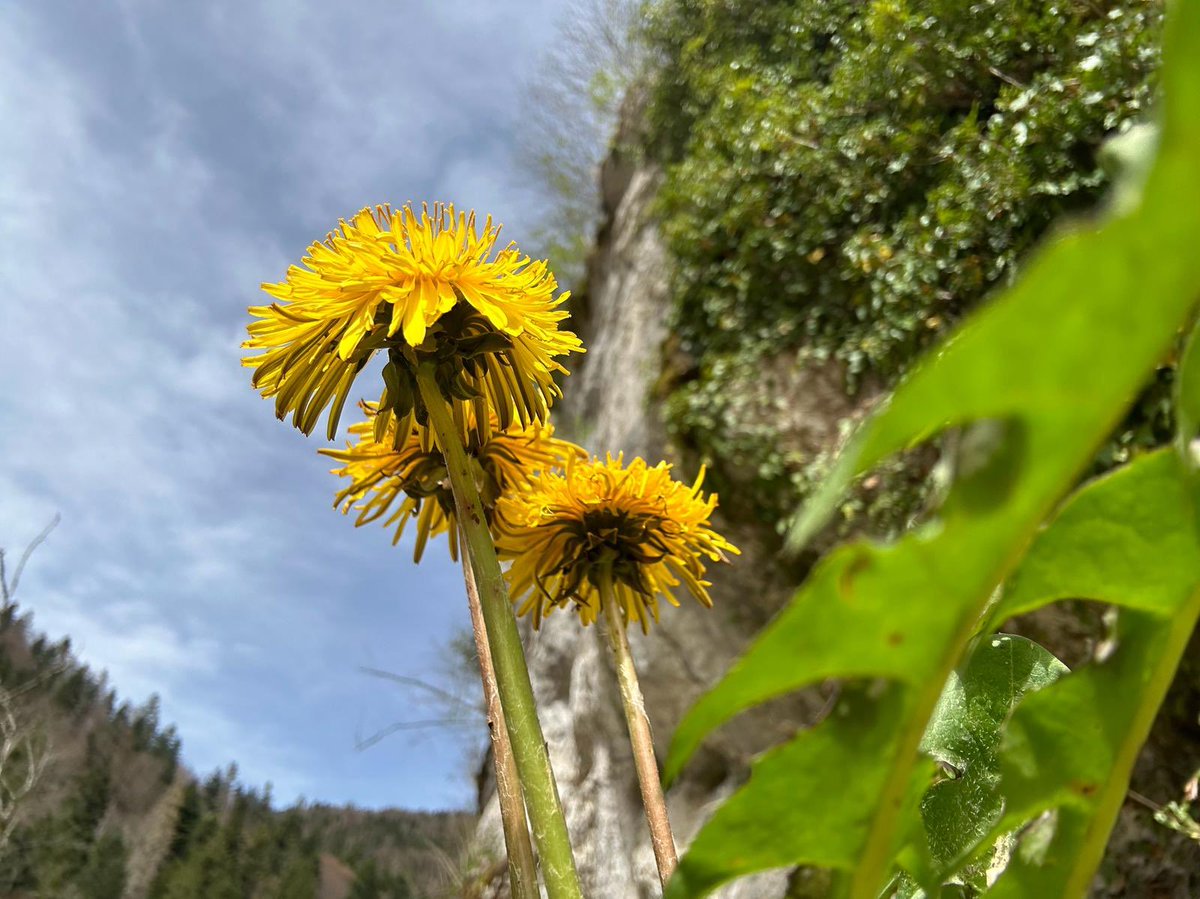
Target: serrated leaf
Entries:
(964, 736)
(977, 701)
(1055, 361)
(1074, 744)
(964, 733)
(776, 819)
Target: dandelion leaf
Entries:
(1056, 359)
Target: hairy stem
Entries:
(522, 871)
(508, 656)
(640, 738)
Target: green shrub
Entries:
(955, 753)
(845, 180)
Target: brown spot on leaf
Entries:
(856, 566)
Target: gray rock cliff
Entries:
(609, 408)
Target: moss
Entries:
(847, 180)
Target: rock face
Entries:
(609, 409)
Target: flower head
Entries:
(408, 477)
(649, 532)
(427, 288)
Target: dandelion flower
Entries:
(562, 529)
(426, 288)
(408, 478)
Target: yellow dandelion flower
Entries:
(408, 477)
(428, 287)
(651, 531)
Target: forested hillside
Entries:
(95, 804)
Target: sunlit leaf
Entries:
(1053, 363)
(1131, 539)
(964, 737)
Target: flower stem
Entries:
(512, 677)
(522, 871)
(640, 738)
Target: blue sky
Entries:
(158, 161)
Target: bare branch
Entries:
(461, 712)
(570, 112)
(8, 590)
(1008, 79)
(380, 735)
(24, 757)
(432, 689)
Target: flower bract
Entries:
(407, 479)
(425, 287)
(651, 533)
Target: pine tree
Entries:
(62, 843)
(187, 820)
(104, 875)
(299, 877)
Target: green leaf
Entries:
(778, 810)
(1053, 362)
(977, 701)
(1128, 538)
(1074, 744)
(964, 737)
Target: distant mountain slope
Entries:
(95, 805)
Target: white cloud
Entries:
(130, 639)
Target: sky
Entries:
(160, 159)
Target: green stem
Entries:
(875, 861)
(512, 676)
(1168, 655)
(640, 737)
(522, 870)
(873, 864)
